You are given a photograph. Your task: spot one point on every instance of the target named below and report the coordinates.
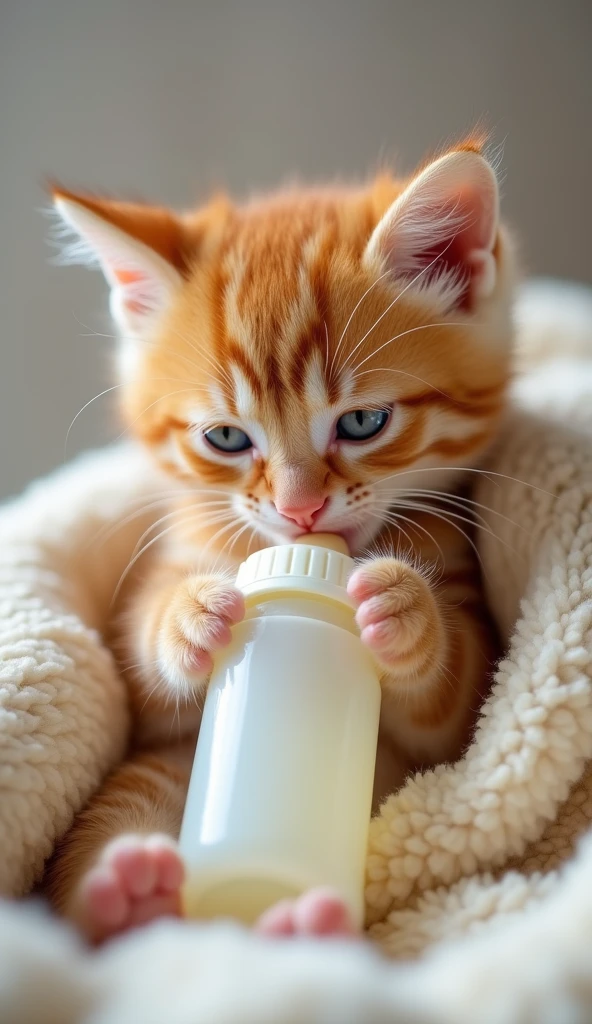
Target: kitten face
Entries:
(312, 358)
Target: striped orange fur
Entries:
(280, 320)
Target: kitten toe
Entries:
(137, 879)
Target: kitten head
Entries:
(317, 354)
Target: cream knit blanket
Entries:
(471, 865)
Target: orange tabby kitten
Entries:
(318, 360)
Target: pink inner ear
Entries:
(465, 254)
(137, 290)
(441, 232)
(128, 276)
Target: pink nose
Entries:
(303, 515)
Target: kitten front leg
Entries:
(173, 624)
(194, 625)
(400, 622)
(179, 619)
(434, 659)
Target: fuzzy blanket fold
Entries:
(472, 865)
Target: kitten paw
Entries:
(196, 624)
(398, 617)
(137, 879)
(318, 913)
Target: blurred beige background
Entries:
(166, 99)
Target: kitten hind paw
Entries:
(136, 880)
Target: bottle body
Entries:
(281, 789)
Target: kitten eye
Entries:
(361, 424)
(228, 439)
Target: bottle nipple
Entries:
(330, 541)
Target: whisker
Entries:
(145, 548)
(448, 500)
(403, 334)
(459, 498)
(170, 394)
(446, 516)
(404, 373)
(116, 387)
(351, 316)
(251, 539)
(186, 512)
(146, 342)
(236, 537)
(203, 354)
(107, 531)
(393, 500)
(400, 295)
(221, 532)
(326, 349)
(401, 529)
(393, 517)
(466, 469)
(418, 507)
(462, 532)
(183, 516)
(85, 406)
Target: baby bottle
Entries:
(281, 789)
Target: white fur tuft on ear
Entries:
(71, 248)
(439, 236)
(141, 281)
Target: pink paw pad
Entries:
(317, 913)
(362, 585)
(137, 879)
(381, 634)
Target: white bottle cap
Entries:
(315, 564)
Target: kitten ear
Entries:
(439, 236)
(139, 248)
